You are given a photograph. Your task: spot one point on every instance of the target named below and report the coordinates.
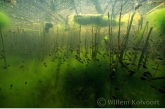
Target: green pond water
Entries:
(50, 65)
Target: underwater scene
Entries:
(82, 53)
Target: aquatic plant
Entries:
(118, 44)
(145, 47)
(4, 22)
(99, 20)
(139, 39)
(48, 26)
(126, 38)
(63, 28)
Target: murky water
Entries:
(91, 53)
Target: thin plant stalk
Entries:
(156, 70)
(145, 47)
(126, 39)
(109, 43)
(92, 42)
(4, 55)
(118, 44)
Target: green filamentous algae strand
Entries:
(82, 54)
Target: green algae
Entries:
(158, 18)
(4, 20)
(99, 20)
(48, 26)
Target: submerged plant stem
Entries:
(3, 50)
(118, 44)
